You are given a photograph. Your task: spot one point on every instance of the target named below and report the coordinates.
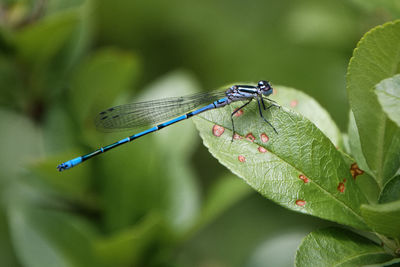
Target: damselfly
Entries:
(152, 112)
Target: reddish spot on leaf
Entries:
(300, 202)
(355, 171)
(304, 178)
(218, 130)
(250, 137)
(261, 149)
(238, 113)
(264, 137)
(341, 187)
(293, 103)
(344, 180)
(237, 137)
(241, 158)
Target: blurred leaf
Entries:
(102, 77)
(175, 145)
(55, 6)
(391, 190)
(78, 44)
(338, 247)
(375, 58)
(58, 137)
(391, 6)
(278, 251)
(388, 92)
(40, 41)
(159, 177)
(11, 83)
(224, 194)
(181, 202)
(48, 238)
(128, 247)
(299, 168)
(314, 23)
(177, 83)
(309, 108)
(130, 182)
(7, 251)
(21, 143)
(74, 184)
(243, 230)
(383, 218)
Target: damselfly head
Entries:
(265, 87)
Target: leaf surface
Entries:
(298, 168)
(338, 247)
(388, 92)
(376, 57)
(383, 218)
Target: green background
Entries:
(163, 200)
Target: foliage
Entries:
(300, 167)
(162, 201)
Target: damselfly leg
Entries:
(261, 114)
(233, 113)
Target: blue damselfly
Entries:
(153, 112)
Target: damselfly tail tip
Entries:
(61, 167)
(69, 164)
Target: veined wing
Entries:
(152, 112)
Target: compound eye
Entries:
(263, 84)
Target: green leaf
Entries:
(383, 218)
(10, 79)
(102, 77)
(21, 142)
(391, 190)
(73, 185)
(129, 175)
(309, 108)
(48, 238)
(388, 92)
(125, 248)
(365, 182)
(299, 168)
(376, 57)
(40, 41)
(355, 145)
(224, 194)
(7, 251)
(181, 202)
(369, 187)
(338, 247)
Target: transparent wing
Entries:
(152, 112)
